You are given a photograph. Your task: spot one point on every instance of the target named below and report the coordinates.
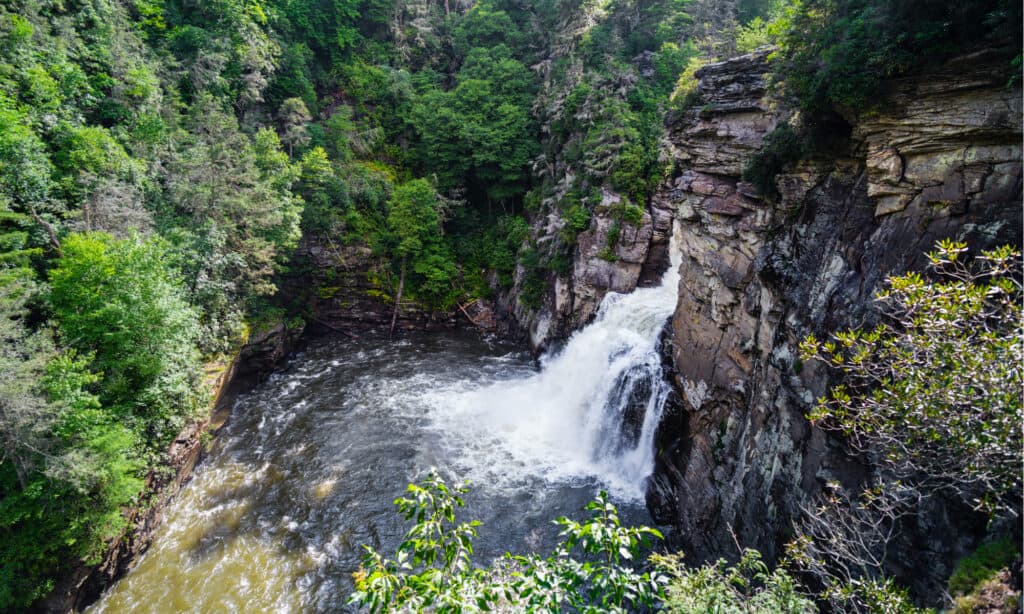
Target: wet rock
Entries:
(266, 348)
(344, 287)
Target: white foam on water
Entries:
(579, 417)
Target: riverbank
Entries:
(225, 378)
(305, 472)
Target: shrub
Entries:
(433, 568)
(782, 146)
(532, 288)
(748, 587)
(752, 36)
(628, 213)
(685, 94)
(577, 220)
(982, 565)
(934, 394)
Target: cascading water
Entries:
(305, 471)
(591, 410)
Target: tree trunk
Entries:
(50, 231)
(398, 299)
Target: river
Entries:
(305, 471)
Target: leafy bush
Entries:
(748, 587)
(753, 36)
(669, 63)
(996, 594)
(628, 213)
(685, 93)
(433, 568)
(629, 175)
(782, 146)
(594, 568)
(501, 247)
(534, 281)
(934, 395)
(577, 218)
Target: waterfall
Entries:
(590, 412)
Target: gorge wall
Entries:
(340, 286)
(941, 158)
(572, 299)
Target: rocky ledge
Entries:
(942, 158)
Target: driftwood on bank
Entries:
(350, 334)
(462, 308)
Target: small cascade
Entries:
(590, 412)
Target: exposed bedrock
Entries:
(639, 257)
(942, 158)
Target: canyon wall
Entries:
(572, 299)
(940, 158)
(340, 286)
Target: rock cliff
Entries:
(571, 299)
(941, 158)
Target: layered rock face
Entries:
(942, 158)
(639, 257)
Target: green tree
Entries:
(25, 168)
(118, 301)
(66, 464)
(88, 155)
(25, 415)
(324, 195)
(234, 198)
(480, 134)
(414, 223)
(294, 118)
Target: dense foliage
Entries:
(142, 216)
(839, 52)
(593, 569)
(161, 159)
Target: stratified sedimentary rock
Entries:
(940, 158)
